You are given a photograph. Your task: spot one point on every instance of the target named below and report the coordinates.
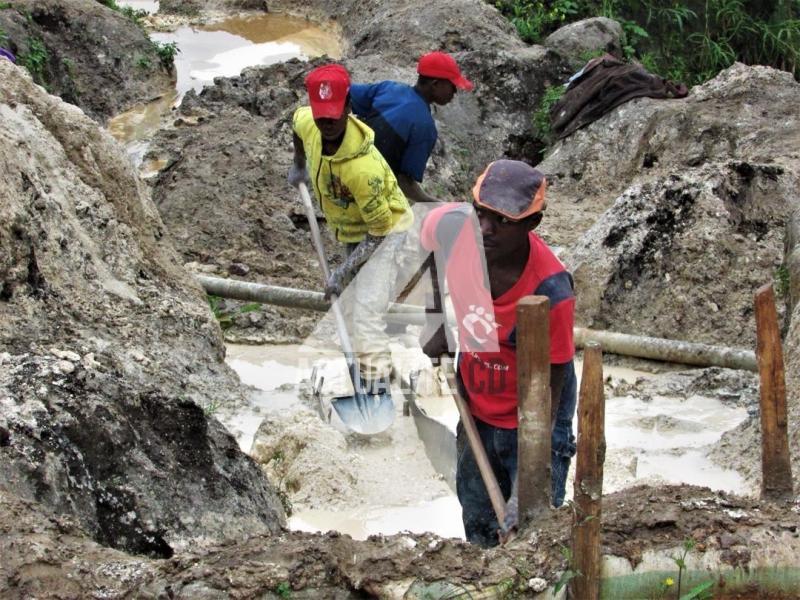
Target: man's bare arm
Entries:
(412, 189)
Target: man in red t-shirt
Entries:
(509, 198)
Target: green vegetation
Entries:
(4, 5)
(283, 590)
(143, 62)
(34, 59)
(684, 40)
(226, 317)
(782, 281)
(541, 117)
(166, 53)
(569, 574)
(212, 407)
(700, 591)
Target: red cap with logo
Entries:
(441, 65)
(327, 87)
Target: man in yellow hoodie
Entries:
(335, 155)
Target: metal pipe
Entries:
(294, 298)
(676, 351)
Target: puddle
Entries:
(220, 49)
(435, 517)
(660, 440)
(422, 503)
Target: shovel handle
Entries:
(475, 443)
(341, 328)
(467, 420)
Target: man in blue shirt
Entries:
(400, 116)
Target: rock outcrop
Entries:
(109, 353)
(86, 53)
(688, 200)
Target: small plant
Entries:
(212, 407)
(3, 37)
(226, 317)
(569, 574)
(166, 53)
(4, 5)
(782, 281)
(699, 592)
(143, 62)
(35, 59)
(541, 118)
(283, 589)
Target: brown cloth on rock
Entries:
(606, 82)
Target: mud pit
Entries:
(217, 45)
(659, 430)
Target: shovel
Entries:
(362, 412)
(467, 421)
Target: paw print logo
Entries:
(478, 316)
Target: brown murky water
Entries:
(220, 49)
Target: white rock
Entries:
(537, 584)
(65, 354)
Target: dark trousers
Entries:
(480, 522)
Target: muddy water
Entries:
(663, 439)
(219, 49)
(381, 504)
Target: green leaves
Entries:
(683, 40)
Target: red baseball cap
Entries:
(441, 65)
(327, 87)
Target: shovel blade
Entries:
(366, 414)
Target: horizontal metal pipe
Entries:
(677, 351)
(295, 298)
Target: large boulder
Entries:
(86, 53)
(681, 256)
(707, 186)
(109, 353)
(579, 41)
(745, 114)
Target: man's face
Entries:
(503, 237)
(332, 129)
(443, 91)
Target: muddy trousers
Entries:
(365, 301)
(477, 514)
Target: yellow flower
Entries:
(669, 582)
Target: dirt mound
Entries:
(643, 527)
(108, 348)
(86, 53)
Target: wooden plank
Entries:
(776, 470)
(533, 388)
(589, 477)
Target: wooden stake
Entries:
(589, 478)
(776, 470)
(533, 388)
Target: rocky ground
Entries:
(86, 53)
(48, 557)
(108, 351)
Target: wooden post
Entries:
(589, 478)
(776, 470)
(533, 389)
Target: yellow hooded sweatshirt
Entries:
(357, 190)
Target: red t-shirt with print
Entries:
(486, 327)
